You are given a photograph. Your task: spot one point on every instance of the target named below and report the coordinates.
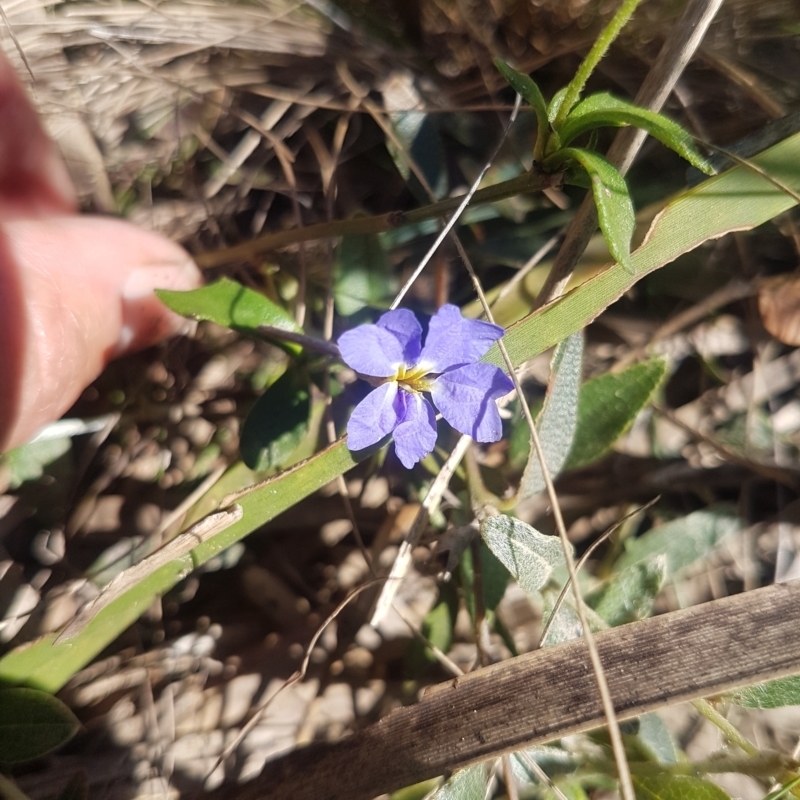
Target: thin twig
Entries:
(295, 677)
(464, 203)
(428, 506)
(678, 49)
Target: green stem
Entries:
(599, 48)
(528, 182)
(728, 731)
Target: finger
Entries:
(33, 178)
(74, 293)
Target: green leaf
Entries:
(676, 787)
(607, 407)
(605, 110)
(466, 784)
(656, 739)
(528, 555)
(361, 274)
(230, 304)
(772, 694)
(523, 85)
(555, 104)
(559, 416)
(32, 724)
(437, 628)
(277, 422)
(682, 541)
(629, 595)
(736, 200)
(494, 575)
(614, 208)
(420, 138)
(27, 462)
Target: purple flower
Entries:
(391, 355)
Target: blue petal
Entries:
(371, 350)
(453, 340)
(415, 435)
(375, 416)
(466, 397)
(405, 327)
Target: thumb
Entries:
(74, 293)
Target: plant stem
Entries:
(532, 181)
(599, 49)
(728, 731)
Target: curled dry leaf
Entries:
(779, 305)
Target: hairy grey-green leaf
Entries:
(466, 784)
(654, 735)
(682, 541)
(528, 555)
(559, 416)
(629, 595)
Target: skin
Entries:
(75, 290)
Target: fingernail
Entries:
(181, 275)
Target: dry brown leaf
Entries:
(779, 305)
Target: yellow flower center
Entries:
(413, 380)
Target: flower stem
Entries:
(599, 48)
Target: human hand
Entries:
(75, 291)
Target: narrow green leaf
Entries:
(361, 274)
(772, 694)
(607, 407)
(605, 110)
(676, 787)
(466, 784)
(32, 724)
(493, 573)
(629, 595)
(559, 416)
(28, 462)
(230, 304)
(528, 555)
(437, 627)
(524, 85)
(277, 422)
(615, 213)
(682, 541)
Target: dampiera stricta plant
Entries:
(391, 356)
